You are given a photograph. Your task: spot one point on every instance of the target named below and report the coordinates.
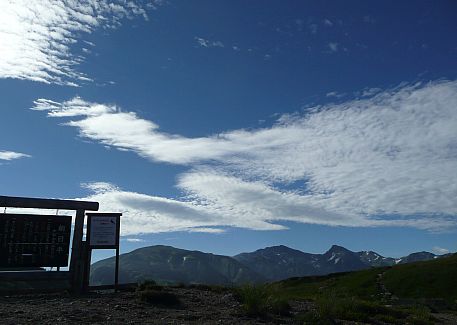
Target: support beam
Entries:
(35, 203)
(77, 262)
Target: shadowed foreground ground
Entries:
(198, 307)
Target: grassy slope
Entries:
(360, 284)
(357, 296)
(431, 279)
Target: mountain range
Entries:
(167, 265)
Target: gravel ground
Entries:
(198, 307)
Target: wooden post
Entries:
(116, 272)
(87, 257)
(77, 262)
(118, 233)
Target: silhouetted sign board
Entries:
(34, 240)
(103, 230)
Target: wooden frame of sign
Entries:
(77, 260)
(103, 232)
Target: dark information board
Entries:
(34, 240)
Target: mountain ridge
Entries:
(167, 264)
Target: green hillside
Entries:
(407, 293)
(430, 279)
(435, 279)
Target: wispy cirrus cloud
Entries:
(328, 22)
(208, 43)
(11, 155)
(388, 159)
(150, 214)
(37, 36)
(333, 46)
(214, 200)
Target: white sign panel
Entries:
(103, 230)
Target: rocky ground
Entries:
(198, 307)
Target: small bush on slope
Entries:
(161, 298)
(149, 292)
(261, 300)
(149, 285)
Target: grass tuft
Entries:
(149, 285)
(161, 298)
(150, 292)
(261, 300)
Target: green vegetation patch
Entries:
(261, 300)
(361, 284)
(160, 298)
(418, 289)
(149, 285)
(435, 279)
(151, 293)
(328, 309)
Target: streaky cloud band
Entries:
(393, 152)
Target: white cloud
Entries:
(333, 46)
(150, 214)
(440, 250)
(335, 94)
(299, 23)
(216, 200)
(208, 43)
(37, 36)
(385, 160)
(328, 22)
(11, 155)
(207, 230)
(369, 92)
(368, 19)
(313, 28)
(135, 240)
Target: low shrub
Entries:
(420, 315)
(331, 308)
(207, 287)
(180, 285)
(149, 285)
(161, 298)
(260, 300)
(313, 318)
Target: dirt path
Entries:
(386, 295)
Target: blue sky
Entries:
(228, 126)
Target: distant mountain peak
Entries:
(276, 247)
(275, 250)
(338, 249)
